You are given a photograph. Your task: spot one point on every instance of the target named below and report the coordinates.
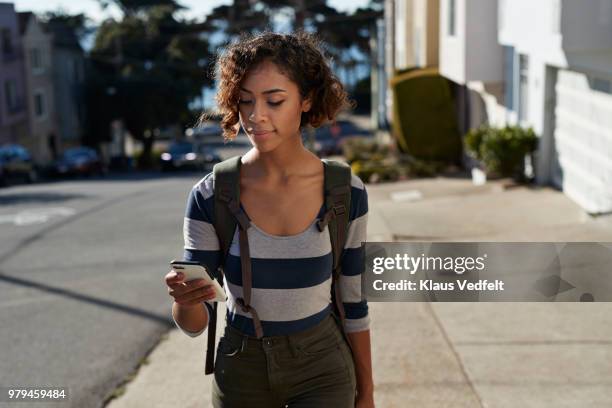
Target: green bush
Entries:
(424, 121)
(359, 148)
(501, 150)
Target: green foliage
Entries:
(374, 162)
(424, 121)
(501, 150)
(359, 148)
(146, 69)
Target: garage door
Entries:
(583, 139)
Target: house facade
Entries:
(558, 56)
(545, 65)
(472, 59)
(411, 32)
(42, 118)
(13, 108)
(68, 62)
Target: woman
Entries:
(274, 85)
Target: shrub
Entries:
(502, 150)
(424, 120)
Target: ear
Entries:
(307, 103)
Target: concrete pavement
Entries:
(450, 354)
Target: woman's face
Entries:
(270, 107)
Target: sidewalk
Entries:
(450, 354)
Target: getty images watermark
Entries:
(478, 271)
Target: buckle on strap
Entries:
(245, 308)
(339, 209)
(336, 210)
(322, 223)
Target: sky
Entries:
(197, 8)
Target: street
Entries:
(83, 301)
(82, 297)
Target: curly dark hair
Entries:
(299, 56)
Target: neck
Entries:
(284, 161)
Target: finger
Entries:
(197, 283)
(173, 277)
(198, 300)
(199, 293)
(181, 289)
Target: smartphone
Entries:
(195, 270)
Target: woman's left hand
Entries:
(365, 401)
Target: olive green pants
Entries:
(312, 368)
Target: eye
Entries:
(244, 102)
(275, 103)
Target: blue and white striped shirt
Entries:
(292, 275)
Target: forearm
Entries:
(191, 318)
(362, 355)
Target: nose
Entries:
(258, 114)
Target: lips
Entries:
(262, 132)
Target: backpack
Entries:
(228, 215)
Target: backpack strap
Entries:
(336, 218)
(228, 215)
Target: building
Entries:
(416, 34)
(68, 62)
(411, 32)
(13, 109)
(472, 58)
(42, 117)
(544, 64)
(558, 59)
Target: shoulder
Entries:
(356, 182)
(205, 187)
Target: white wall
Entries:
(532, 28)
(567, 42)
(474, 53)
(586, 25)
(452, 48)
(403, 37)
(484, 58)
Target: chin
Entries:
(264, 147)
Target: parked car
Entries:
(189, 155)
(329, 138)
(79, 161)
(16, 165)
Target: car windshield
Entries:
(180, 148)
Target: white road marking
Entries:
(36, 216)
(410, 195)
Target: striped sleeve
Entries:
(201, 242)
(353, 261)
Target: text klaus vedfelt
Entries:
(412, 264)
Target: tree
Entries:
(148, 67)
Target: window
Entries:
(523, 86)
(36, 60)
(7, 44)
(39, 105)
(10, 91)
(452, 11)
